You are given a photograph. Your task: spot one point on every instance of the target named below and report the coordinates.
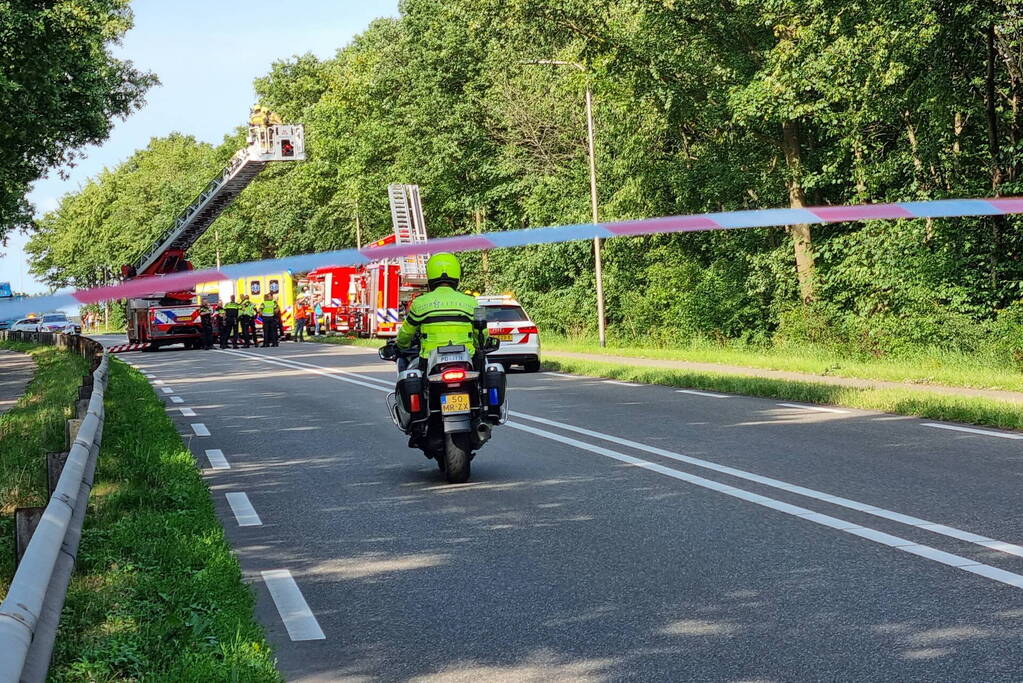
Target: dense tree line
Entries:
(59, 89)
(700, 105)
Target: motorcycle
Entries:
(448, 407)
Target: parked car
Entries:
(520, 340)
(58, 322)
(26, 325)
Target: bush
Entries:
(1007, 335)
(817, 323)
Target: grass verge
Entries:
(980, 411)
(32, 428)
(924, 367)
(157, 594)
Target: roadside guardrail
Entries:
(30, 612)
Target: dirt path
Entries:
(16, 371)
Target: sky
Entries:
(207, 55)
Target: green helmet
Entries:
(444, 269)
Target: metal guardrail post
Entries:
(31, 610)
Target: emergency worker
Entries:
(229, 329)
(247, 314)
(206, 325)
(301, 314)
(269, 311)
(441, 316)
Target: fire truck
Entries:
(173, 317)
(371, 300)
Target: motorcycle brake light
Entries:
(414, 403)
(531, 329)
(454, 375)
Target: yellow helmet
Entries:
(443, 268)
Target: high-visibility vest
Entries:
(248, 309)
(232, 305)
(269, 308)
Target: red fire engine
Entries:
(371, 300)
(173, 317)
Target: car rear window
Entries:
(505, 314)
(54, 318)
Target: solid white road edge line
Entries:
(873, 510)
(621, 384)
(217, 459)
(819, 409)
(294, 610)
(694, 392)
(200, 429)
(905, 545)
(177, 399)
(970, 430)
(933, 527)
(243, 510)
(187, 412)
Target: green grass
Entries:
(923, 367)
(157, 595)
(32, 428)
(980, 411)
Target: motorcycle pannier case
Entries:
(494, 379)
(408, 387)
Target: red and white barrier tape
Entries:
(726, 220)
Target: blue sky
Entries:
(206, 54)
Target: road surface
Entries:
(609, 532)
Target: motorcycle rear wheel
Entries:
(458, 452)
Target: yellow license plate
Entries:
(503, 337)
(454, 403)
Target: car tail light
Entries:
(529, 329)
(454, 375)
(414, 403)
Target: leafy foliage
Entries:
(699, 106)
(59, 89)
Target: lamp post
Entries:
(597, 265)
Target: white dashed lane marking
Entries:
(700, 393)
(187, 412)
(971, 430)
(167, 390)
(819, 409)
(217, 459)
(243, 510)
(177, 399)
(294, 610)
(200, 429)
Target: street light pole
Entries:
(597, 263)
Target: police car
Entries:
(520, 341)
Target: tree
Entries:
(59, 89)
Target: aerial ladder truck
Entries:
(371, 300)
(173, 317)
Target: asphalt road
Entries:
(609, 532)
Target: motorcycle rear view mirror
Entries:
(388, 352)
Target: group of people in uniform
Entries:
(226, 323)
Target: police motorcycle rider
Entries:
(440, 317)
(445, 323)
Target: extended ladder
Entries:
(266, 143)
(409, 228)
